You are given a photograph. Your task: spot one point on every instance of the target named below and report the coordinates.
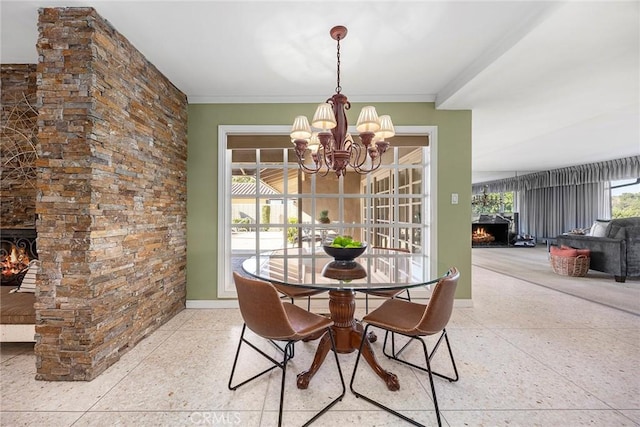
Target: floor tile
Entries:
(545, 418)
(526, 355)
(29, 418)
(602, 365)
(173, 418)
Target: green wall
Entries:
(452, 159)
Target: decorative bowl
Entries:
(344, 254)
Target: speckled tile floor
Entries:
(527, 356)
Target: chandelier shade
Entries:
(368, 120)
(324, 118)
(301, 128)
(386, 128)
(332, 148)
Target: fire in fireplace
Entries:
(490, 232)
(14, 263)
(480, 235)
(17, 248)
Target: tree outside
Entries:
(492, 203)
(626, 205)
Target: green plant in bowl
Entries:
(345, 242)
(344, 248)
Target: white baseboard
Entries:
(17, 333)
(215, 303)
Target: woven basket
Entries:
(570, 266)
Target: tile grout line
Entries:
(152, 350)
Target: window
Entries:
(625, 198)
(267, 203)
(487, 203)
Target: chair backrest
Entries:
(261, 308)
(403, 265)
(438, 311)
(392, 249)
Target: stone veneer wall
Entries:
(112, 203)
(17, 99)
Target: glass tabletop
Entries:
(311, 268)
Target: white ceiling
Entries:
(550, 84)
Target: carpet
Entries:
(532, 265)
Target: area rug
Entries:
(532, 265)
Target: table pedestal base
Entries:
(348, 335)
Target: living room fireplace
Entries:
(490, 231)
(17, 248)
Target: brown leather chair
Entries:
(415, 321)
(269, 317)
(391, 293)
(294, 293)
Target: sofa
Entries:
(615, 250)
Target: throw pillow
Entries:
(29, 282)
(585, 252)
(599, 228)
(565, 252)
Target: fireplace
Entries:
(490, 231)
(17, 248)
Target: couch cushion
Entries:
(599, 228)
(29, 281)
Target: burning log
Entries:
(479, 235)
(14, 263)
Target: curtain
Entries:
(548, 212)
(553, 202)
(611, 170)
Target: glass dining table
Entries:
(310, 268)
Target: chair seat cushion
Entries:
(389, 293)
(297, 292)
(397, 316)
(304, 322)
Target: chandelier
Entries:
(332, 147)
(485, 200)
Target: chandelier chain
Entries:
(338, 87)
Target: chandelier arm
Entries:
(358, 156)
(374, 166)
(325, 158)
(303, 166)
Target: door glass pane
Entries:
(274, 205)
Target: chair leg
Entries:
(370, 400)
(428, 356)
(433, 387)
(394, 354)
(344, 389)
(276, 364)
(288, 352)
